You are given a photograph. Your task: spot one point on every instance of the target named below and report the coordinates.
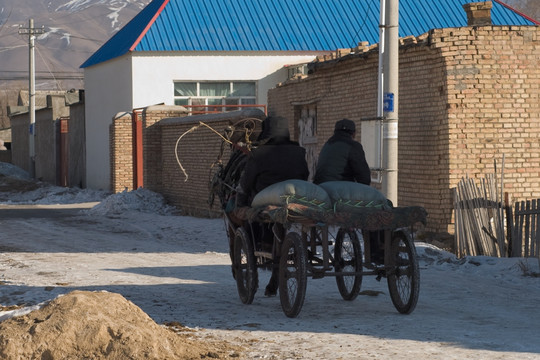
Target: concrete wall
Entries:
(156, 86)
(77, 159)
(468, 96)
(45, 146)
(46, 138)
(20, 141)
(5, 156)
(108, 90)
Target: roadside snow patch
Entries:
(10, 170)
(137, 200)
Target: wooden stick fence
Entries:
(479, 217)
(526, 229)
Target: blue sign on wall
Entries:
(388, 102)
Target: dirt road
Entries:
(177, 269)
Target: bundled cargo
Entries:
(293, 191)
(347, 196)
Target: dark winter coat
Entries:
(342, 159)
(276, 159)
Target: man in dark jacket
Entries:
(342, 158)
(276, 158)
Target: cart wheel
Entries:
(292, 274)
(348, 258)
(403, 273)
(245, 267)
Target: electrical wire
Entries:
(48, 68)
(248, 131)
(363, 20)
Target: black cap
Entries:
(345, 125)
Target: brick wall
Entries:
(153, 147)
(169, 146)
(467, 96)
(121, 145)
(493, 98)
(121, 152)
(197, 151)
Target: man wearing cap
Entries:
(342, 158)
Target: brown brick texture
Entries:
(467, 98)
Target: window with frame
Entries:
(214, 95)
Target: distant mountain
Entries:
(531, 8)
(74, 30)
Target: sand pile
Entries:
(99, 325)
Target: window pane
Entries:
(181, 101)
(243, 89)
(248, 101)
(185, 89)
(197, 106)
(214, 101)
(215, 89)
(197, 102)
(231, 102)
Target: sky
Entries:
(177, 268)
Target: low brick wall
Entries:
(165, 154)
(121, 152)
(196, 152)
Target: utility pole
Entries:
(31, 32)
(389, 80)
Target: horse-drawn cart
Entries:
(312, 241)
(339, 247)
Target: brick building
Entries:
(467, 97)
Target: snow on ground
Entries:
(177, 268)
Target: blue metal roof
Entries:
(280, 25)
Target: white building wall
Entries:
(107, 91)
(137, 80)
(153, 75)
